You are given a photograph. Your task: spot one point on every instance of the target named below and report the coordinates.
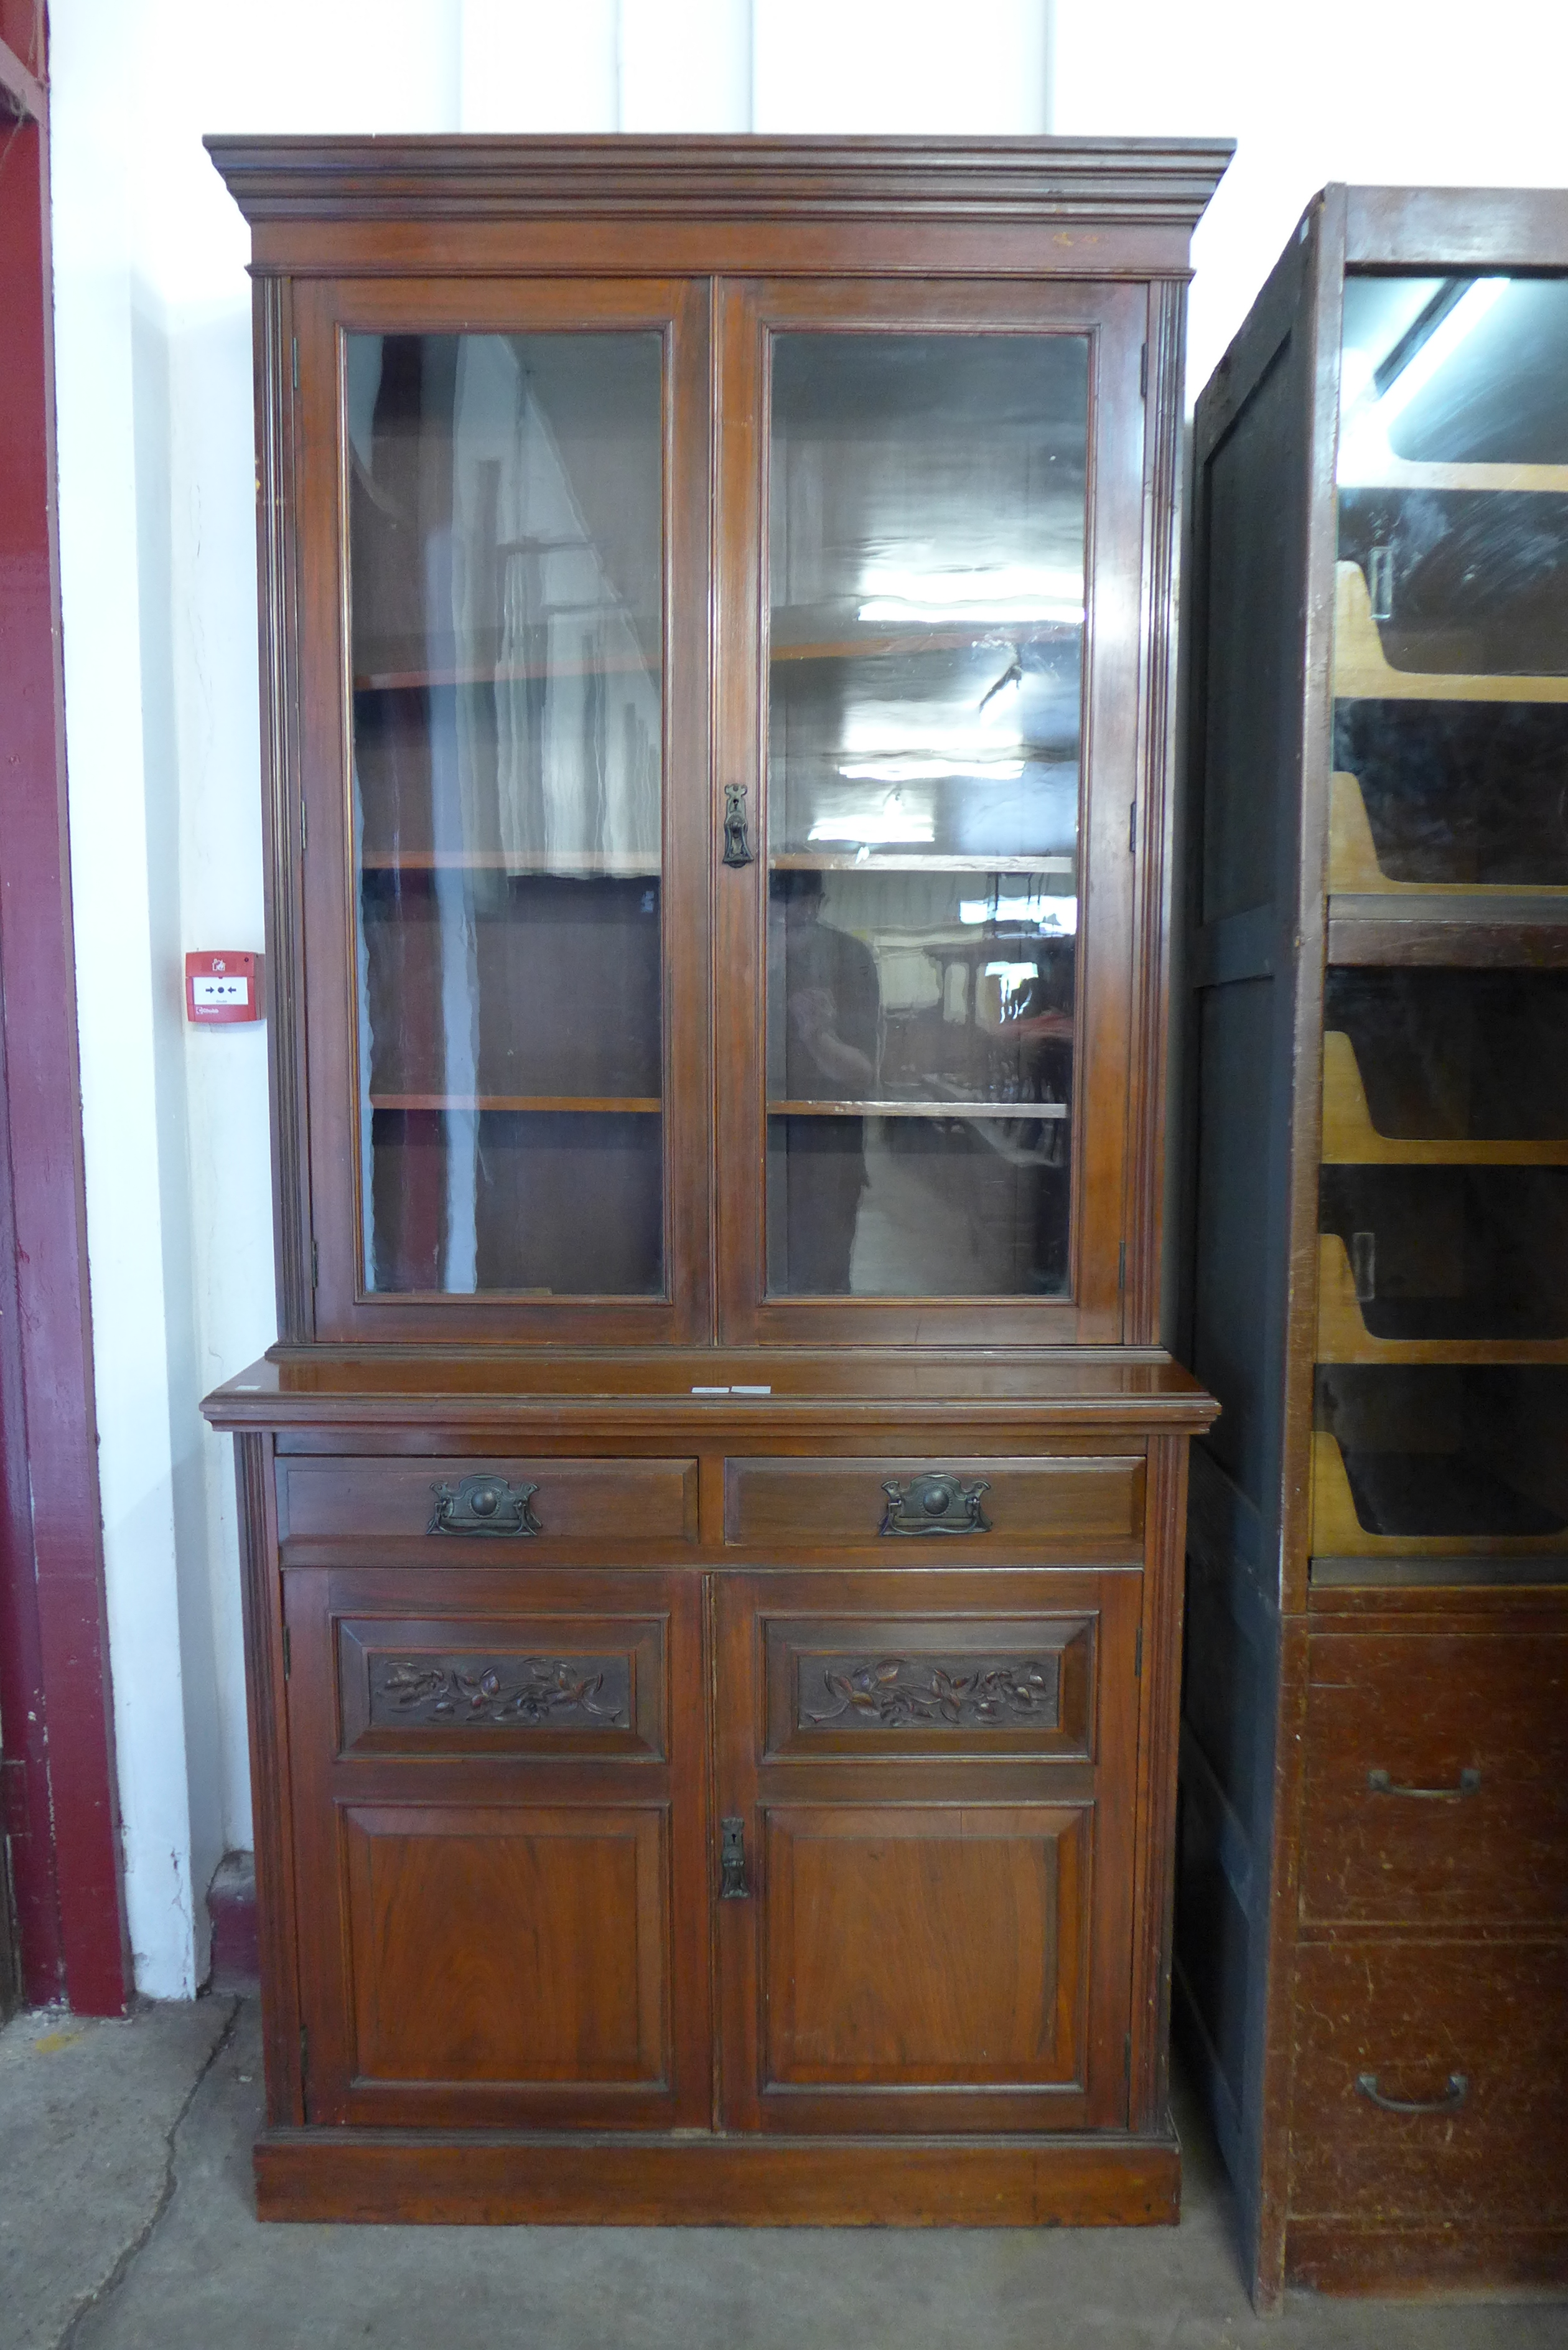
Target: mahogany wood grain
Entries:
(522, 1944)
(1424, 1709)
(1089, 2180)
(989, 1896)
(628, 1501)
(1032, 1506)
(271, 1782)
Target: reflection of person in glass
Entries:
(832, 1012)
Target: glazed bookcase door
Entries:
(926, 1796)
(930, 533)
(500, 1848)
(502, 551)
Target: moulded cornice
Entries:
(1128, 181)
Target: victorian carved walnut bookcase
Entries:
(711, 1521)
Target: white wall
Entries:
(152, 315)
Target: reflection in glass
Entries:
(1471, 1056)
(505, 542)
(927, 539)
(1454, 1251)
(1450, 1449)
(1453, 502)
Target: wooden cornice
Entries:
(1127, 183)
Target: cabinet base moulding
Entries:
(377, 2177)
(1415, 2263)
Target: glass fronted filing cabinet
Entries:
(1370, 1943)
(711, 1517)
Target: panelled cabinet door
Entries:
(499, 1832)
(502, 493)
(930, 529)
(925, 1796)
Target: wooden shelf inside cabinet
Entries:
(630, 865)
(1412, 473)
(1343, 1335)
(608, 663)
(1350, 1138)
(611, 1104)
(850, 860)
(892, 1107)
(1337, 1530)
(1362, 672)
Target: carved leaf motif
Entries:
(463, 1691)
(898, 1693)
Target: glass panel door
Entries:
(523, 520)
(505, 542)
(926, 572)
(1442, 1379)
(925, 494)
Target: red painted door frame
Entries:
(61, 1811)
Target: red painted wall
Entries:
(54, 1700)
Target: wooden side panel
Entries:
(1258, 706)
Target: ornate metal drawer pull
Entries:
(484, 1505)
(1453, 2098)
(737, 848)
(1379, 1784)
(937, 1503)
(732, 1886)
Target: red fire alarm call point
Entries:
(223, 987)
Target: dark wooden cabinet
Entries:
(1371, 1957)
(711, 1519)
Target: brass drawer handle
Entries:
(484, 1505)
(732, 1886)
(1378, 1783)
(1453, 2098)
(937, 1503)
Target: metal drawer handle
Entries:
(1450, 2101)
(1378, 1783)
(484, 1505)
(732, 1886)
(937, 1503)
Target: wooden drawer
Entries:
(1476, 2035)
(469, 1505)
(1437, 1779)
(1000, 1505)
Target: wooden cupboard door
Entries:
(498, 1787)
(924, 1855)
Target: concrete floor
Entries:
(125, 2224)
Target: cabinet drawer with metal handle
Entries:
(1437, 1780)
(1001, 1504)
(465, 1505)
